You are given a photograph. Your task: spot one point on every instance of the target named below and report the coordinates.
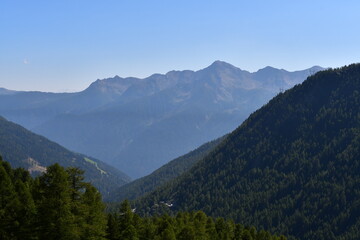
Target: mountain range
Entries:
(137, 125)
(22, 148)
(292, 167)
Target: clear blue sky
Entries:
(66, 45)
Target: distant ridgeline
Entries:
(25, 149)
(58, 204)
(138, 125)
(292, 167)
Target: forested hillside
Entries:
(23, 148)
(60, 205)
(163, 175)
(292, 167)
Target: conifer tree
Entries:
(26, 211)
(200, 225)
(126, 215)
(56, 220)
(210, 229)
(76, 188)
(94, 227)
(9, 204)
(113, 227)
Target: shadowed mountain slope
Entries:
(22, 148)
(164, 174)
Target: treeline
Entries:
(125, 224)
(60, 205)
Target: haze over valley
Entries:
(137, 125)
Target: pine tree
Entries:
(94, 218)
(113, 227)
(26, 212)
(128, 231)
(167, 234)
(165, 228)
(147, 229)
(246, 235)
(187, 233)
(210, 229)
(9, 204)
(56, 220)
(76, 188)
(200, 225)
(223, 229)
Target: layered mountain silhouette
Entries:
(138, 125)
(22, 148)
(292, 167)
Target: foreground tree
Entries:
(56, 220)
(94, 219)
(9, 204)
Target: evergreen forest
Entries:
(59, 205)
(292, 167)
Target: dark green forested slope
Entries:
(163, 175)
(56, 205)
(59, 205)
(33, 152)
(292, 167)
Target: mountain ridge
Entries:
(146, 122)
(215, 64)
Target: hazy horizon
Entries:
(79, 90)
(66, 45)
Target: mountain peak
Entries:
(269, 70)
(220, 64)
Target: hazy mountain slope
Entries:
(23, 148)
(31, 109)
(164, 174)
(4, 91)
(137, 125)
(292, 167)
(164, 116)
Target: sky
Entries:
(63, 46)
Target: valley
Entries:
(137, 125)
